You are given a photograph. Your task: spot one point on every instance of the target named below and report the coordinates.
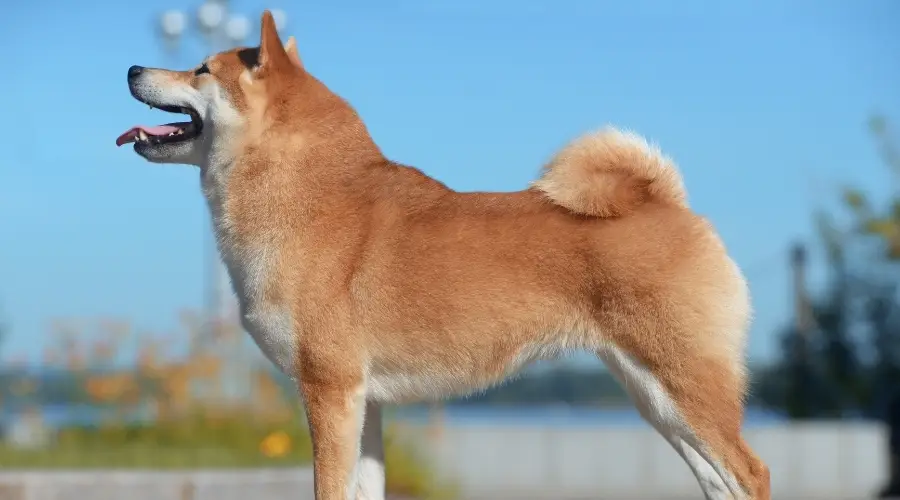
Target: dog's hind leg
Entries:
(697, 406)
(370, 469)
(644, 393)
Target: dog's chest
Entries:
(251, 267)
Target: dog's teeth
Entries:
(142, 136)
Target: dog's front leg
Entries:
(370, 482)
(335, 414)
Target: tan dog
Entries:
(368, 282)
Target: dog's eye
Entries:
(202, 70)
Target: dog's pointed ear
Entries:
(290, 47)
(272, 54)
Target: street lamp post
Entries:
(217, 27)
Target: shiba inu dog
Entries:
(369, 282)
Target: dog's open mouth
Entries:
(165, 134)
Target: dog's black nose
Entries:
(134, 71)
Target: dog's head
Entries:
(230, 96)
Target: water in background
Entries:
(556, 415)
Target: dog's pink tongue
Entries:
(131, 135)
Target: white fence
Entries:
(807, 461)
(278, 484)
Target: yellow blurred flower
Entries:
(277, 444)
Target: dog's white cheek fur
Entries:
(222, 124)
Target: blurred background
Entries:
(123, 370)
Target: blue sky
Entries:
(762, 103)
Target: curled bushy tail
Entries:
(610, 174)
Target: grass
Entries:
(211, 443)
(134, 457)
(192, 443)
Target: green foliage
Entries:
(882, 224)
(235, 436)
(200, 420)
(824, 374)
(231, 440)
(407, 473)
(856, 200)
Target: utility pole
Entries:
(802, 311)
(803, 328)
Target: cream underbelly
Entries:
(442, 382)
(407, 388)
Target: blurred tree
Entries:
(791, 384)
(881, 226)
(852, 361)
(817, 373)
(884, 332)
(879, 229)
(838, 354)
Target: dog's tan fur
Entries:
(395, 287)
